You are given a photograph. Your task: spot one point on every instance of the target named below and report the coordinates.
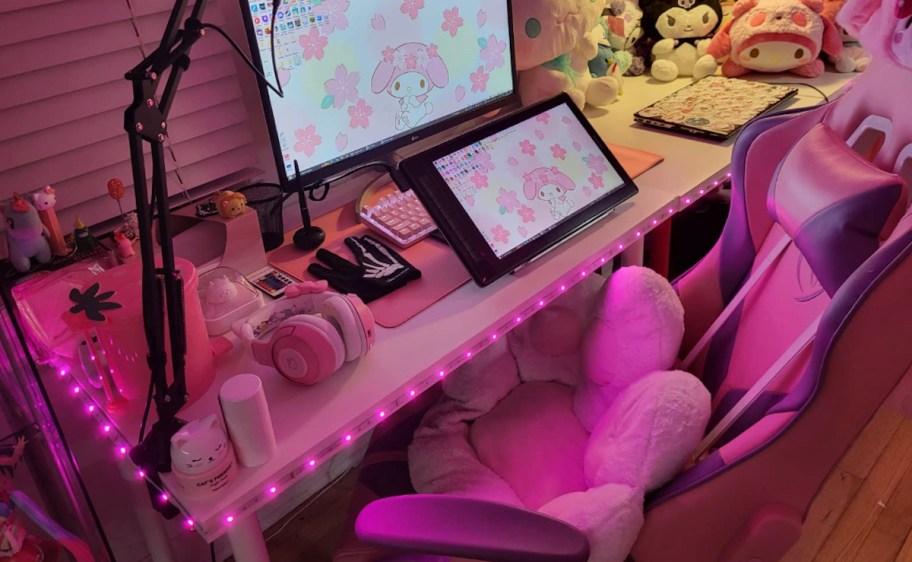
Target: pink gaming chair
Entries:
(849, 265)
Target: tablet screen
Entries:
(523, 181)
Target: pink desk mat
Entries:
(441, 270)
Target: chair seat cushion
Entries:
(534, 441)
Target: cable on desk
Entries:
(826, 98)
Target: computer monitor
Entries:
(362, 78)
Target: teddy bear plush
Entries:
(555, 40)
(776, 36)
(575, 414)
(681, 32)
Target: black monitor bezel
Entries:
(459, 229)
(384, 151)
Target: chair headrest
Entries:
(882, 26)
(836, 206)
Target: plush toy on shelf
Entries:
(776, 36)
(555, 40)
(45, 200)
(576, 414)
(607, 63)
(623, 22)
(231, 204)
(681, 30)
(26, 236)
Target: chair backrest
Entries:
(822, 177)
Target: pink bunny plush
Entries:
(776, 36)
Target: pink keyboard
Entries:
(400, 217)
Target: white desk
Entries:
(314, 424)
(690, 163)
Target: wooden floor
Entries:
(863, 513)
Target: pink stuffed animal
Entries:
(776, 36)
(555, 40)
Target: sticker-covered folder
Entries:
(715, 107)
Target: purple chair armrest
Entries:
(469, 528)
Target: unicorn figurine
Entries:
(25, 233)
(45, 200)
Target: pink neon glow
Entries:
(163, 498)
(441, 373)
(655, 222)
(91, 408)
(107, 428)
(229, 519)
(702, 191)
(311, 463)
(728, 175)
(518, 319)
(92, 358)
(620, 246)
(582, 273)
(563, 287)
(188, 523)
(541, 303)
(639, 233)
(141, 474)
(716, 183)
(381, 414)
(411, 393)
(670, 211)
(63, 372)
(273, 490)
(603, 260)
(122, 451)
(75, 390)
(493, 337)
(348, 438)
(687, 201)
(468, 354)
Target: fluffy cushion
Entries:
(637, 329)
(650, 432)
(534, 442)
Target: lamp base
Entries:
(308, 239)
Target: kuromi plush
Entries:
(575, 414)
(776, 36)
(681, 30)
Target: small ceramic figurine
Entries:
(231, 204)
(202, 456)
(84, 240)
(124, 246)
(25, 234)
(45, 201)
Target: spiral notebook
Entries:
(714, 107)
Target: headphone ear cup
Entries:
(340, 312)
(306, 349)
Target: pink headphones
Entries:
(308, 336)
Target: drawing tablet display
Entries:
(507, 192)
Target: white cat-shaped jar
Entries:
(202, 457)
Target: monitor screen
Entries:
(365, 76)
(522, 182)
